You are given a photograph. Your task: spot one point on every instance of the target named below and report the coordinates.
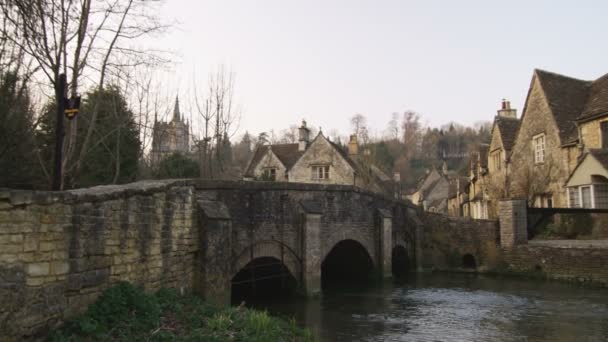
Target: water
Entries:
(453, 307)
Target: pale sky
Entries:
(328, 60)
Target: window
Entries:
(586, 196)
(320, 172)
(496, 160)
(270, 174)
(573, 197)
(539, 148)
(543, 201)
(601, 195)
(604, 132)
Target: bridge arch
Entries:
(269, 248)
(349, 262)
(366, 243)
(265, 269)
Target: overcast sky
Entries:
(328, 60)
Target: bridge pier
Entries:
(214, 269)
(385, 233)
(311, 247)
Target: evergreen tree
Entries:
(113, 155)
(18, 160)
(178, 166)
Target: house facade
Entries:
(316, 161)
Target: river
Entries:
(452, 307)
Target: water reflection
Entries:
(454, 307)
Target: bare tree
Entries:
(359, 125)
(392, 131)
(411, 129)
(220, 118)
(85, 39)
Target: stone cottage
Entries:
(587, 186)
(560, 122)
(432, 191)
(317, 161)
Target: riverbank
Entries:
(124, 312)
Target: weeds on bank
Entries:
(125, 312)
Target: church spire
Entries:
(176, 115)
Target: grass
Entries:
(126, 313)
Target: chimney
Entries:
(304, 138)
(353, 146)
(505, 110)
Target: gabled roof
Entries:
(601, 155)
(566, 97)
(597, 101)
(288, 154)
(507, 128)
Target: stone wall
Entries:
(446, 240)
(58, 251)
(580, 264)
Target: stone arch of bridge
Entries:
(367, 244)
(273, 249)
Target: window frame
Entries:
(320, 172)
(539, 149)
(270, 173)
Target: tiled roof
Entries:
(508, 128)
(566, 97)
(601, 155)
(597, 101)
(288, 154)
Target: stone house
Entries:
(458, 196)
(552, 156)
(587, 186)
(170, 137)
(478, 196)
(547, 145)
(560, 121)
(317, 161)
(432, 191)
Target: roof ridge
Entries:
(562, 76)
(601, 78)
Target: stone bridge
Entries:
(60, 250)
(298, 225)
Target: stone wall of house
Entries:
(320, 152)
(527, 176)
(270, 160)
(591, 133)
(59, 251)
(582, 264)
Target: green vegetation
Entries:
(178, 166)
(566, 226)
(124, 312)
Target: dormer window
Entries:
(539, 148)
(320, 172)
